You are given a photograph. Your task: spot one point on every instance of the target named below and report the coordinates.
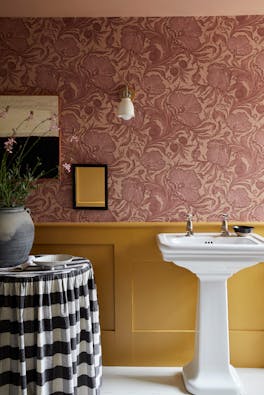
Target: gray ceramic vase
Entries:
(16, 236)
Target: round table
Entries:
(49, 331)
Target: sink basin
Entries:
(211, 252)
(213, 258)
(208, 240)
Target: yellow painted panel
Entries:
(162, 348)
(164, 297)
(117, 349)
(246, 299)
(247, 349)
(147, 306)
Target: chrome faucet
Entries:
(224, 226)
(189, 225)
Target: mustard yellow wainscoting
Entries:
(147, 306)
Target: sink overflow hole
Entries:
(208, 242)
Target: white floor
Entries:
(165, 381)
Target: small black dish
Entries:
(242, 230)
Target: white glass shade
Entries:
(125, 109)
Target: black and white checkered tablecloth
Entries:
(50, 333)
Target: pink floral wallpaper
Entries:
(197, 141)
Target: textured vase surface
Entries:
(16, 236)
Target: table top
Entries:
(35, 272)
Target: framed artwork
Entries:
(90, 187)
(32, 120)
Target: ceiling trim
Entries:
(128, 8)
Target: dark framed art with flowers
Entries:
(29, 145)
(31, 122)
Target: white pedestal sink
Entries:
(213, 259)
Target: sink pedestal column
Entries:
(210, 372)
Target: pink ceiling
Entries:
(112, 8)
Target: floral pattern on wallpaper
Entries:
(197, 141)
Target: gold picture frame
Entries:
(90, 186)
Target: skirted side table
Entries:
(50, 332)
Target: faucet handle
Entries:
(189, 225)
(224, 225)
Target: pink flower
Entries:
(31, 114)
(187, 108)
(67, 167)
(3, 113)
(74, 138)
(9, 144)
(53, 123)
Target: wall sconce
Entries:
(125, 108)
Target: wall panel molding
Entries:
(147, 306)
